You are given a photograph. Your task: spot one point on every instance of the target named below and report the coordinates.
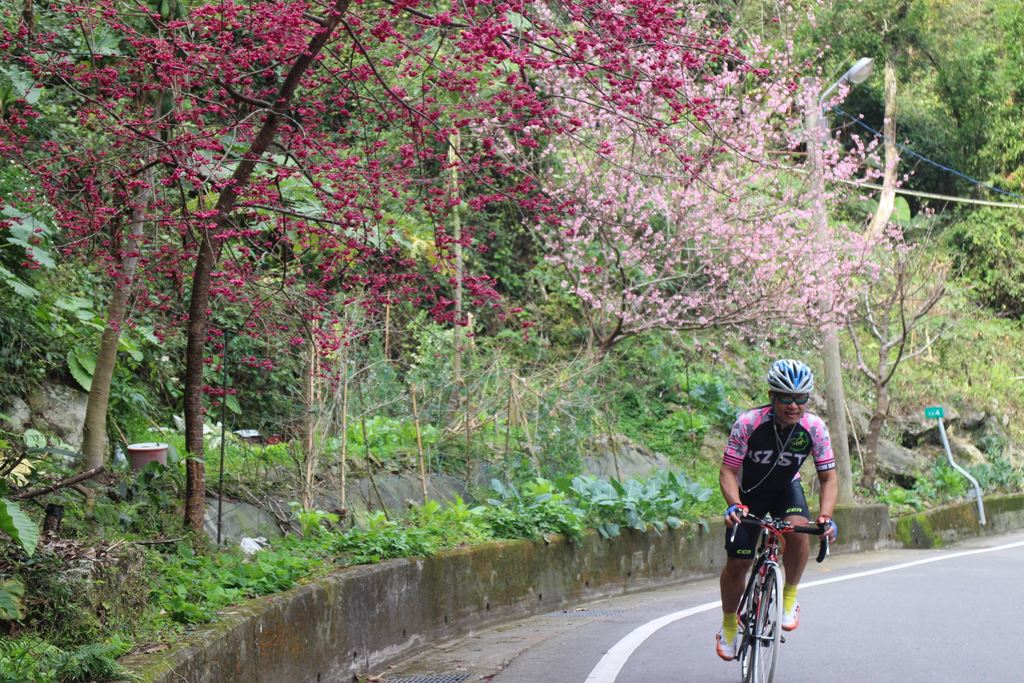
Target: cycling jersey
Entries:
(768, 457)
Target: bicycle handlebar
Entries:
(781, 526)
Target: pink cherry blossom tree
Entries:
(695, 218)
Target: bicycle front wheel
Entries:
(767, 628)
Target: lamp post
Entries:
(835, 399)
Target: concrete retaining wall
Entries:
(363, 618)
(941, 526)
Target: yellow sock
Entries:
(729, 627)
(788, 597)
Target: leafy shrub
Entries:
(998, 474)
(711, 398)
(664, 499)
(139, 502)
(986, 246)
(902, 500)
(540, 509)
(16, 524)
(949, 483)
(660, 401)
(388, 437)
(313, 522)
(56, 601)
(191, 587)
(451, 525)
(384, 539)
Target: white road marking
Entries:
(608, 668)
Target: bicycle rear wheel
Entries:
(763, 650)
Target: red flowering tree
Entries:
(232, 149)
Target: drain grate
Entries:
(586, 613)
(431, 678)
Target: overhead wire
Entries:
(908, 151)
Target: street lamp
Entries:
(835, 398)
(858, 73)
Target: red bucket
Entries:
(141, 454)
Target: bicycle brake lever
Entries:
(823, 549)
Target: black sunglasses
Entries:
(786, 399)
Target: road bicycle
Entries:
(760, 610)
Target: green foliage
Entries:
(382, 539)
(949, 483)
(26, 239)
(57, 603)
(942, 484)
(998, 475)
(312, 522)
(711, 398)
(973, 364)
(452, 525)
(18, 526)
(986, 246)
(27, 352)
(901, 499)
(538, 510)
(266, 397)
(191, 587)
(389, 438)
(11, 606)
(140, 502)
(664, 499)
(663, 402)
(30, 658)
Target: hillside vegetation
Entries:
(441, 244)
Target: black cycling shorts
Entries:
(788, 502)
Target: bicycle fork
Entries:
(754, 589)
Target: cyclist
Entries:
(760, 474)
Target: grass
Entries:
(977, 364)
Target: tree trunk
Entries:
(195, 352)
(28, 16)
(343, 456)
(310, 421)
(208, 256)
(453, 159)
(94, 433)
(870, 474)
(887, 199)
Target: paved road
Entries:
(901, 615)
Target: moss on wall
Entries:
(915, 531)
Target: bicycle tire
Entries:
(745, 614)
(767, 628)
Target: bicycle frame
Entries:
(760, 608)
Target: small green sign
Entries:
(933, 412)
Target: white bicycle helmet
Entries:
(789, 376)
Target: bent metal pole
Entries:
(961, 470)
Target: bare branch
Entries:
(70, 481)
(259, 104)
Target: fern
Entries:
(96, 661)
(31, 658)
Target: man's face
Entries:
(789, 408)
